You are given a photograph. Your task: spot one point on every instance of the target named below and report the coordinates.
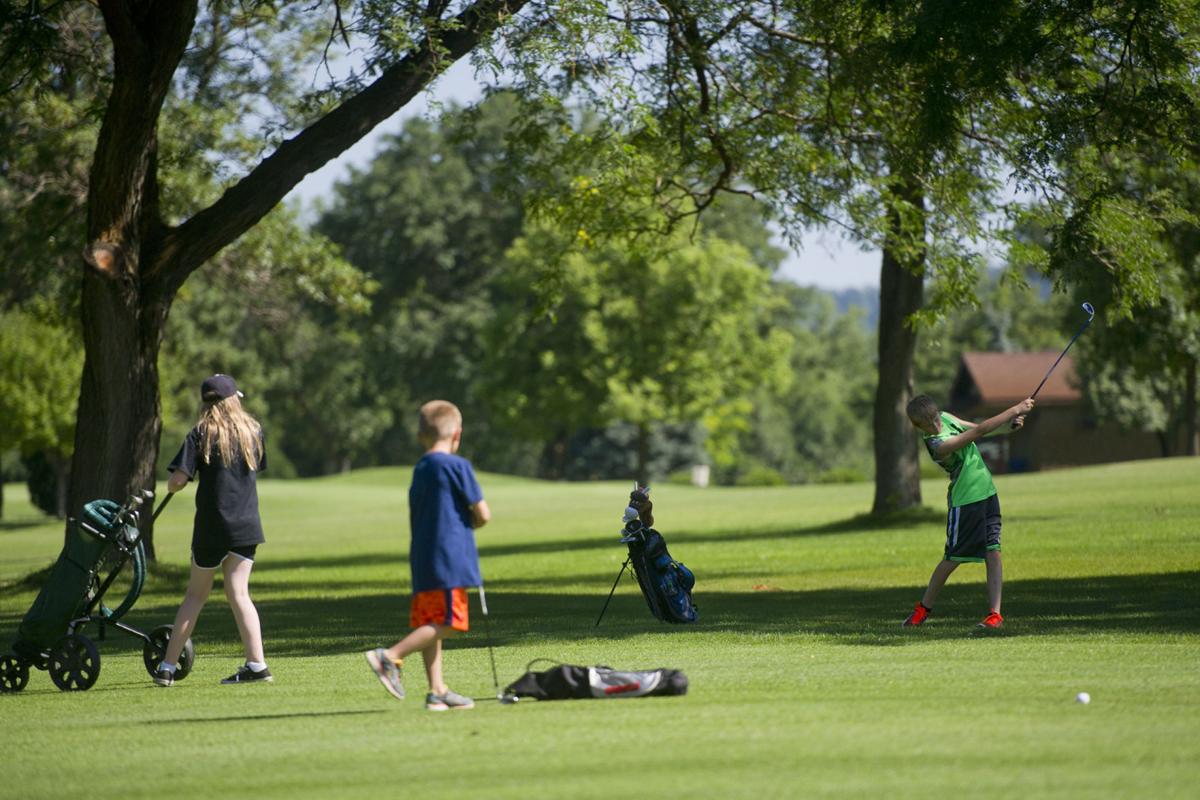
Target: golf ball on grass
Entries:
(1083, 698)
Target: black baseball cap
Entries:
(218, 387)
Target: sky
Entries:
(824, 259)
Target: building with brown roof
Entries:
(1061, 431)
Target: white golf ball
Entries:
(1083, 697)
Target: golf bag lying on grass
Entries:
(665, 583)
(106, 537)
(569, 682)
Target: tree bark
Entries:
(901, 293)
(125, 303)
(62, 478)
(1191, 442)
(554, 457)
(135, 263)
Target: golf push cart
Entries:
(100, 545)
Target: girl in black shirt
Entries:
(225, 452)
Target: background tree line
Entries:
(583, 262)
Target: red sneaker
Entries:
(991, 622)
(918, 616)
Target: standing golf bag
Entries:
(665, 583)
(106, 537)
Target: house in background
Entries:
(1059, 433)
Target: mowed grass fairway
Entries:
(803, 683)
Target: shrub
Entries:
(761, 476)
(842, 475)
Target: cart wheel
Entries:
(156, 648)
(74, 663)
(14, 673)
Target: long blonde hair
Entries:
(225, 425)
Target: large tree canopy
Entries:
(899, 123)
(241, 60)
(644, 336)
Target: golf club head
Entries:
(148, 494)
(1090, 309)
(137, 500)
(507, 699)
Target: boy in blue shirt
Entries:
(445, 505)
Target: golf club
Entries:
(501, 697)
(1091, 312)
(163, 504)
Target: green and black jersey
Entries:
(970, 479)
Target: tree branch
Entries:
(148, 44)
(251, 198)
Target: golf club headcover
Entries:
(640, 500)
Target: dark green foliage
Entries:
(820, 420)
(429, 222)
(42, 480)
(612, 453)
(285, 330)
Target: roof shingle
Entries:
(1004, 378)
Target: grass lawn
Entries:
(803, 683)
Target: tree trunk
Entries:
(552, 462)
(1191, 442)
(120, 417)
(125, 288)
(62, 479)
(135, 263)
(901, 285)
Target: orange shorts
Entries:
(440, 607)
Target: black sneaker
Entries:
(246, 675)
(164, 678)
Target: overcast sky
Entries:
(825, 260)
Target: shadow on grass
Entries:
(28, 582)
(861, 523)
(7, 525)
(261, 717)
(175, 576)
(1125, 604)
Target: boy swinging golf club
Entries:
(973, 518)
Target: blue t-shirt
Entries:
(443, 554)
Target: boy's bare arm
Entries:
(965, 423)
(961, 440)
(1017, 423)
(480, 514)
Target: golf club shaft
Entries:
(487, 635)
(1046, 377)
(163, 505)
(1091, 312)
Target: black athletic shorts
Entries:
(210, 557)
(972, 530)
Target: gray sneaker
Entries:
(447, 701)
(387, 671)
